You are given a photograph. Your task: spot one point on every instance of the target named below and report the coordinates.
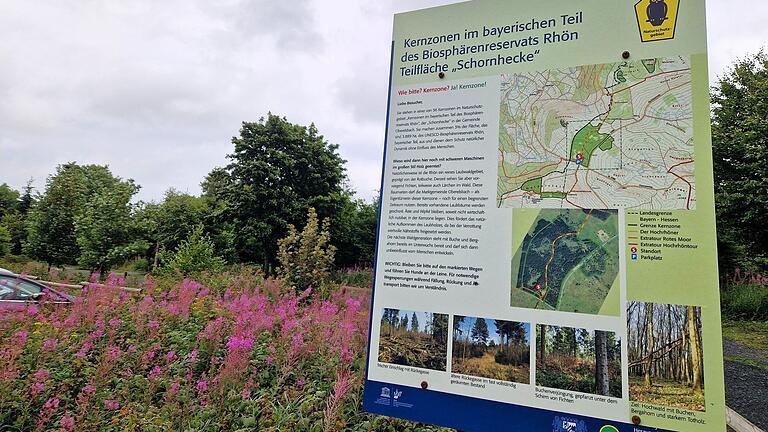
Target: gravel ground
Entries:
(746, 387)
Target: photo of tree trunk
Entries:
(581, 360)
(666, 364)
(491, 348)
(418, 339)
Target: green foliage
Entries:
(745, 301)
(740, 150)
(194, 254)
(480, 331)
(354, 232)
(104, 228)
(9, 199)
(278, 170)
(5, 241)
(51, 220)
(17, 230)
(306, 257)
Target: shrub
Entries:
(306, 257)
(194, 254)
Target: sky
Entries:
(156, 90)
(421, 317)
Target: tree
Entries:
(16, 226)
(414, 323)
(602, 379)
(649, 344)
(278, 171)
(480, 331)
(695, 339)
(104, 227)
(194, 254)
(176, 217)
(306, 258)
(740, 149)
(5, 241)
(51, 220)
(9, 199)
(542, 343)
(404, 322)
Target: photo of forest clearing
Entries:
(586, 361)
(418, 339)
(665, 355)
(493, 349)
(568, 261)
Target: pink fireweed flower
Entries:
(67, 422)
(202, 386)
(21, 337)
(300, 383)
(41, 375)
(171, 356)
(36, 388)
(239, 343)
(113, 353)
(99, 323)
(154, 325)
(49, 344)
(51, 404)
(132, 349)
(154, 373)
(115, 322)
(111, 404)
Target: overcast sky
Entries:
(156, 89)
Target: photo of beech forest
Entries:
(665, 355)
(586, 361)
(493, 349)
(418, 339)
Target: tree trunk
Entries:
(696, 363)
(542, 343)
(602, 381)
(649, 345)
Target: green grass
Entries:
(745, 302)
(665, 393)
(747, 361)
(753, 334)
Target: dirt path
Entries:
(746, 386)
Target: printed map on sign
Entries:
(609, 136)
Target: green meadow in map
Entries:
(568, 261)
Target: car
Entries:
(17, 291)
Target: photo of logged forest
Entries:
(586, 361)
(665, 355)
(418, 339)
(493, 349)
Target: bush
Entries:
(195, 254)
(306, 258)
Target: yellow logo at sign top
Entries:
(657, 19)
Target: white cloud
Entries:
(157, 89)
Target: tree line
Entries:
(277, 171)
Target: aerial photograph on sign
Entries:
(491, 348)
(410, 338)
(568, 261)
(617, 135)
